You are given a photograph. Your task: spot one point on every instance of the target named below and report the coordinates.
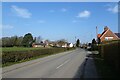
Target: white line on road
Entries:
(89, 52)
(62, 64)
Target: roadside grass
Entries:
(33, 58)
(104, 70)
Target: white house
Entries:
(70, 45)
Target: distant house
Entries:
(108, 35)
(38, 45)
(64, 45)
(55, 44)
(70, 45)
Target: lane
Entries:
(63, 65)
(70, 69)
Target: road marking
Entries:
(62, 64)
(89, 52)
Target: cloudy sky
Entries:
(58, 20)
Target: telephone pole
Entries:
(75, 39)
(96, 31)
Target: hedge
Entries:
(110, 52)
(16, 56)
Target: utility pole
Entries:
(75, 39)
(97, 34)
(96, 31)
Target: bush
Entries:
(16, 56)
(110, 52)
(94, 47)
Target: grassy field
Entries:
(20, 48)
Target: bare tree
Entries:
(38, 39)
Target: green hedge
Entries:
(94, 47)
(110, 52)
(16, 56)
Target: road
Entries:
(62, 65)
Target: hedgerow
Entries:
(17, 56)
(110, 52)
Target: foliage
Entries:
(11, 41)
(94, 45)
(109, 51)
(104, 69)
(93, 41)
(27, 40)
(17, 56)
(78, 43)
(99, 40)
(0, 42)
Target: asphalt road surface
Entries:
(62, 65)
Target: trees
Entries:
(27, 40)
(77, 43)
(0, 42)
(94, 46)
(61, 42)
(93, 41)
(38, 39)
(6, 42)
(98, 41)
(11, 41)
(19, 41)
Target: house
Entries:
(107, 35)
(38, 45)
(64, 45)
(70, 45)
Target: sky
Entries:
(58, 20)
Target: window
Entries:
(108, 38)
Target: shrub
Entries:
(94, 47)
(16, 56)
(110, 52)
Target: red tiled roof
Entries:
(98, 35)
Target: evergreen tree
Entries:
(93, 41)
(27, 40)
(78, 43)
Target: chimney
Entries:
(105, 28)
